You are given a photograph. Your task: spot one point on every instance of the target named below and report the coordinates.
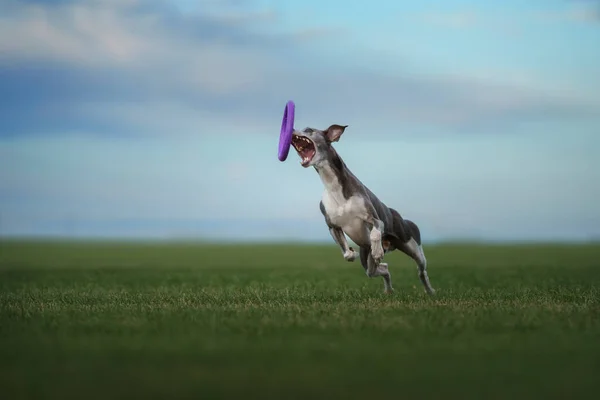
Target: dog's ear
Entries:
(334, 132)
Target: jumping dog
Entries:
(350, 208)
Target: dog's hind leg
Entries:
(409, 242)
(415, 250)
(373, 269)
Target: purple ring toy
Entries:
(287, 128)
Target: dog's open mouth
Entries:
(305, 148)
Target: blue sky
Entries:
(124, 118)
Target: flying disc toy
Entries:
(287, 128)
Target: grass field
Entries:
(105, 321)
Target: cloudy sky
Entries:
(157, 118)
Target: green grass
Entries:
(105, 321)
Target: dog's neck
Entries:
(335, 175)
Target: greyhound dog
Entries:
(350, 208)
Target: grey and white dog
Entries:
(350, 208)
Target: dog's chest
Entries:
(342, 212)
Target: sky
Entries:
(160, 119)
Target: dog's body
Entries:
(351, 209)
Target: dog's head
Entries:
(314, 145)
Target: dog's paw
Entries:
(377, 253)
(350, 255)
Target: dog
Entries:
(351, 209)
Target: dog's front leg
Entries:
(375, 238)
(374, 269)
(339, 237)
(375, 227)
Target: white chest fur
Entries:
(342, 212)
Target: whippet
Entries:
(350, 208)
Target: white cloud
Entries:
(92, 33)
(198, 73)
(100, 35)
